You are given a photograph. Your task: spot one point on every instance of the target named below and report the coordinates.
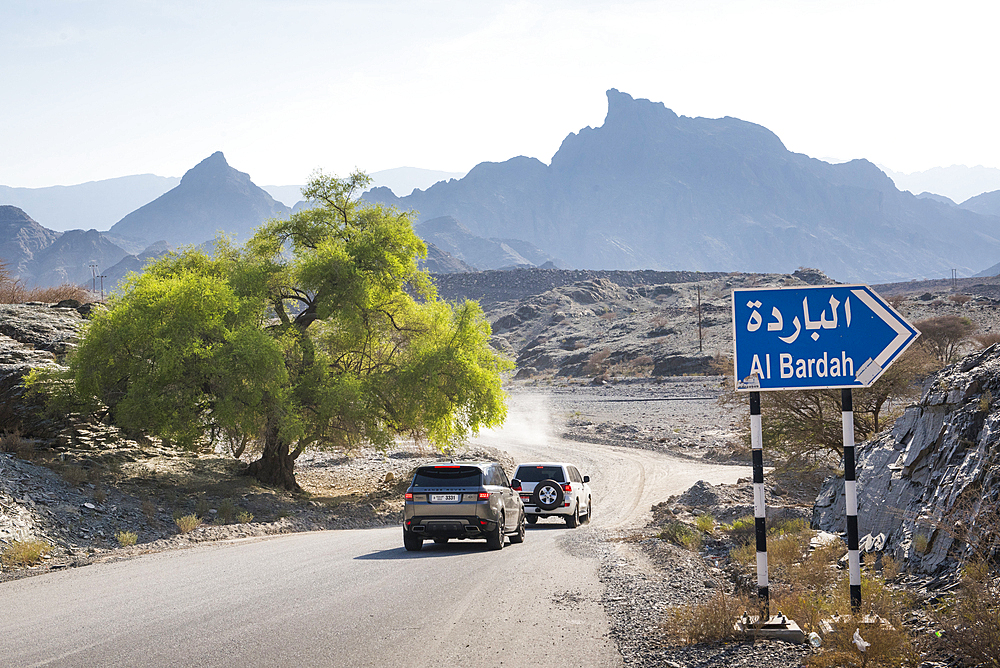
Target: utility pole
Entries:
(102, 277)
(699, 318)
(93, 284)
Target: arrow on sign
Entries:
(815, 337)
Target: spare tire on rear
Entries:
(548, 495)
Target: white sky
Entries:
(94, 89)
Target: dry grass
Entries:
(711, 621)
(126, 538)
(987, 340)
(187, 523)
(24, 552)
(14, 443)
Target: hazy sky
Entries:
(94, 89)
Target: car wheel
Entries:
(532, 519)
(590, 511)
(411, 541)
(519, 536)
(548, 495)
(440, 541)
(573, 521)
(495, 538)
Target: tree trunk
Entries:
(276, 465)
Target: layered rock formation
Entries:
(20, 239)
(929, 488)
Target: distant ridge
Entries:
(653, 190)
(95, 204)
(212, 197)
(20, 239)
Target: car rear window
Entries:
(448, 476)
(539, 473)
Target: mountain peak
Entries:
(214, 165)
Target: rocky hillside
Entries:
(20, 239)
(929, 488)
(651, 189)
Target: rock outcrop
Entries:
(929, 488)
(31, 336)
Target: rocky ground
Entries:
(78, 487)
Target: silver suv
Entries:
(554, 489)
(462, 500)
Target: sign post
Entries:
(816, 337)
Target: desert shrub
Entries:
(126, 538)
(942, 335)
(244, 517)
(99, 495)
(987, 340)
(704, 522)
(961, 300)
(681, 534)
(920, 543)
(597, 362)
(227, 511)
(74, 475)
(711, 621)
(970, 618)
(149, 509)
(608, 316)
(201, 507)
(24, 552)
(14, 443)
(896, 300)
(741, 530)
(188, 523)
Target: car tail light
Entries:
(482, 522)
(567, 487)
(408, 496)
(483, 496)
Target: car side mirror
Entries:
(586, 478)
(515, 484)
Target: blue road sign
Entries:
(824, 336)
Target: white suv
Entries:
(554, 489)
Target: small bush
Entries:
(227, 511)
(244, 517)
(920, 543)
(24, 552)
(201, 507)
(74, 475)
(741, 530)
(704, 523)
(681, 534)
(711, 621)
(188, 523)
(14, 443)
(961, 300)
(149, 509)
(987, 340)
(126, 538)
(597, 362)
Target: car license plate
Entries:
(446, 498)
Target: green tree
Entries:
(320, 332)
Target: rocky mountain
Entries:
(450, 236)
(440, 262)
(211, 198)
(987, 204)
(68, 259)
(95, 204)
(651, 189)
(20, 239)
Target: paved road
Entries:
(354, 598)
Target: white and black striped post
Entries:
(759, 508)
(851, 499)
